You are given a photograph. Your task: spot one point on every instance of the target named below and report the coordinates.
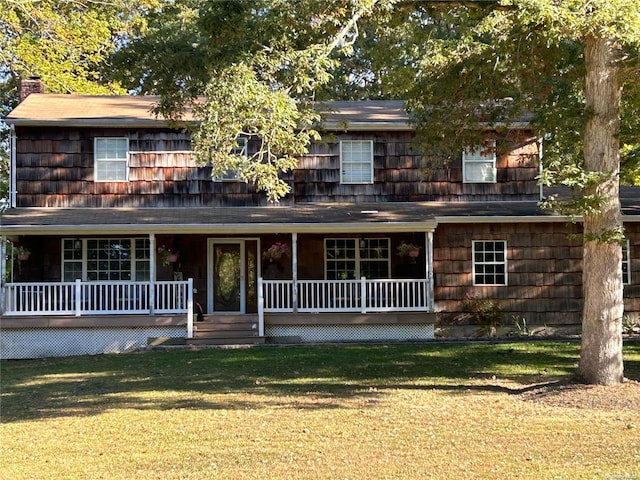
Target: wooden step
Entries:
(229, 317)
(227, 341)
(227, 334)
(226, 329)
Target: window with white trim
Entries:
(351, 258)
(95, 259)
(240, 149)
(356, 161)
(489, 262)
(626, 263)
(111, 159)
(479, 164)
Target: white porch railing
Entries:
(380, 295)
(96, 298)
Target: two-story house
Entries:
(115, 235)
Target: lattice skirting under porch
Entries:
(63, 342)
(346, 333)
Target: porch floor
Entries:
(89, 321)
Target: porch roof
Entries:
(303, 218)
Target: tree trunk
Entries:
(601, 349)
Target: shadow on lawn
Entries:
(296, 377)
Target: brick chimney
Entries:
(30, 85)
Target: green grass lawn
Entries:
(321, 412)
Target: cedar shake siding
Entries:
(55, 168)
(402, 174)
(544, 266)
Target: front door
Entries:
(233, 285)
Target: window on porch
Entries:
(98, 259)
(349, 258)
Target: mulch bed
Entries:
(625, 396)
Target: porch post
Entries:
(260, 308)
(363, 294)
(152, 273)
(190, 308)
(3, 270)
(428, 248)
(78, 290)
(294, 267)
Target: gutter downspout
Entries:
(540, 168)
(3, 271)
(12, 167)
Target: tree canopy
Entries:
(259, 65)
(573, 64)
(65, 42)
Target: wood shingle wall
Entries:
(544, 266)
(55, 169)
(403, 174)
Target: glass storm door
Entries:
(228, 277)
(233, 287)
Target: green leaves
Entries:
(66, 42)
(237, 104)
(249, 68)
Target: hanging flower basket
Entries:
(408, 250)
(22, 254)
(276, 252)
(167, 257)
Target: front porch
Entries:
(366, 273)
(49, 318)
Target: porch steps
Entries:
(226, 329)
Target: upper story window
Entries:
(241, 150)
(356, 161)
(479, 164)
(351, 258)
(489, 262)
(626, 263)
(111, 159)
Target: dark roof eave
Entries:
(105, 122)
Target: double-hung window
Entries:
(240, 150)
(489, 262)
(479, 164)
(356, 161)
(111, 159)
(351, 258)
